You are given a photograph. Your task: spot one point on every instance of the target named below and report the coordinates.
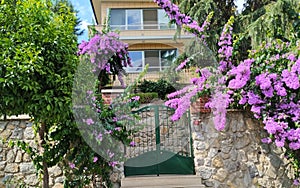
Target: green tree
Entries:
(200, 9)
(268, 20)
(260, 20)
(38, 61)
(265, 21)
(56, 6)
(38, 67)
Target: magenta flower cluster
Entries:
(241, 74)
(268, 85)
(272, 92)
(103, 49)
(182, 64)
(274, 96)
(225, 50)
(181, 100)
(181, 19)
(186, 22)
(219, 103)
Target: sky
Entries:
(85, 14)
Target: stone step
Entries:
(168, 186)
(162, 181)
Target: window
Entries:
(134, 19)
(117, 19)
(167, 57)
(136, 61)
(158, 60)
(150, 19)
(163, 20)
(137, 19)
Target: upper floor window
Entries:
(158, 60)
(138, 19)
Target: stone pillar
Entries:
(236, 157)
(198, 106)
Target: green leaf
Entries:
(48, 107)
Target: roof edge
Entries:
(96, 19)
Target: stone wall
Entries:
(15, 164)
(233, 158)
(236, 157)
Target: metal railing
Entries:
(156, 131)
(144, 27)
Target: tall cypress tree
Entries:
(199, 10)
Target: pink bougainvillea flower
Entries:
(72, 165)
(296, 182)
(115, 119)
(132, 144)
(89, 121)
(110, 154)
(135, 98)
(95, 159)
(266, 140)
(113, 163)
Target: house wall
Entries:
(152, 39)
(97, 4)
(145, 39)
(148, 38)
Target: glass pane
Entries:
(163, 20)
(167, 58)
(152, 58)
(134, 19)
(117, 19)
(150, 19)
(136, 61)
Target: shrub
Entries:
(146, 97)
(161, 87)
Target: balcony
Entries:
(147, 33)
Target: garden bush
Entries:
(161, 87)
(146, 97)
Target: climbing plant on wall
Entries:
(267, 83)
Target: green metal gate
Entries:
(160, 145)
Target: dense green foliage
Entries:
(38, 62)
(200, 9)
(38, 70)
(259, 20)
(38, 58)
(161, 87)
(264, 21)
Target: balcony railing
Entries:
(182, 77)
(162, 26)
(150, 69)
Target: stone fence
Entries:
(236, 157)
(233, 158)
(16, 167)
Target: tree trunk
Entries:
(94, 180)
(45, 165)
(45, 175)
